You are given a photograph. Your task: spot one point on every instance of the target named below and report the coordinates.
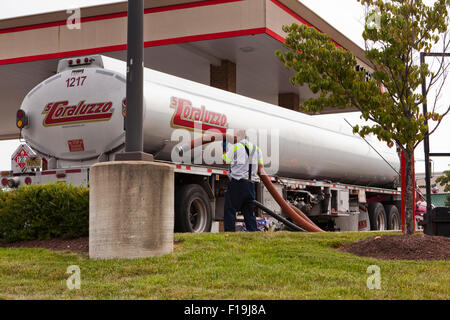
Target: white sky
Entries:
(344, 15)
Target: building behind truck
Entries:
(75, 119)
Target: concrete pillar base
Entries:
(131, 210)
(133, 156)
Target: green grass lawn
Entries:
(225, 266)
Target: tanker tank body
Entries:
(304, 146)
(300, 145)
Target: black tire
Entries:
(192, 209)
(377, 216)
(394, 221)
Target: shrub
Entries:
(47, 211)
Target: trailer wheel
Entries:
(192, 209)
(393, 217)
(377, 216)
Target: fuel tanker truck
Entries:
(75, 119)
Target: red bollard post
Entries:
(402, 178)
(414, 193)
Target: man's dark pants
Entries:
(239, 197)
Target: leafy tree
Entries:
(389, 96)
(444, 180)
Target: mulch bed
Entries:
(401, 247)
(77, 245)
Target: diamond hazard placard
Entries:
(21, 158)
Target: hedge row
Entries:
(47, 211)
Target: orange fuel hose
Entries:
(298, 219)
(300, 213)
(211, 138)
(294, 213)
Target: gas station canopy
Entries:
(181, 37)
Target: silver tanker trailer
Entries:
(75, 119)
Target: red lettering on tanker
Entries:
(186, 115)
(61, 113)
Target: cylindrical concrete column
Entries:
(131, 209)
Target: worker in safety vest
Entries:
(246, 161)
